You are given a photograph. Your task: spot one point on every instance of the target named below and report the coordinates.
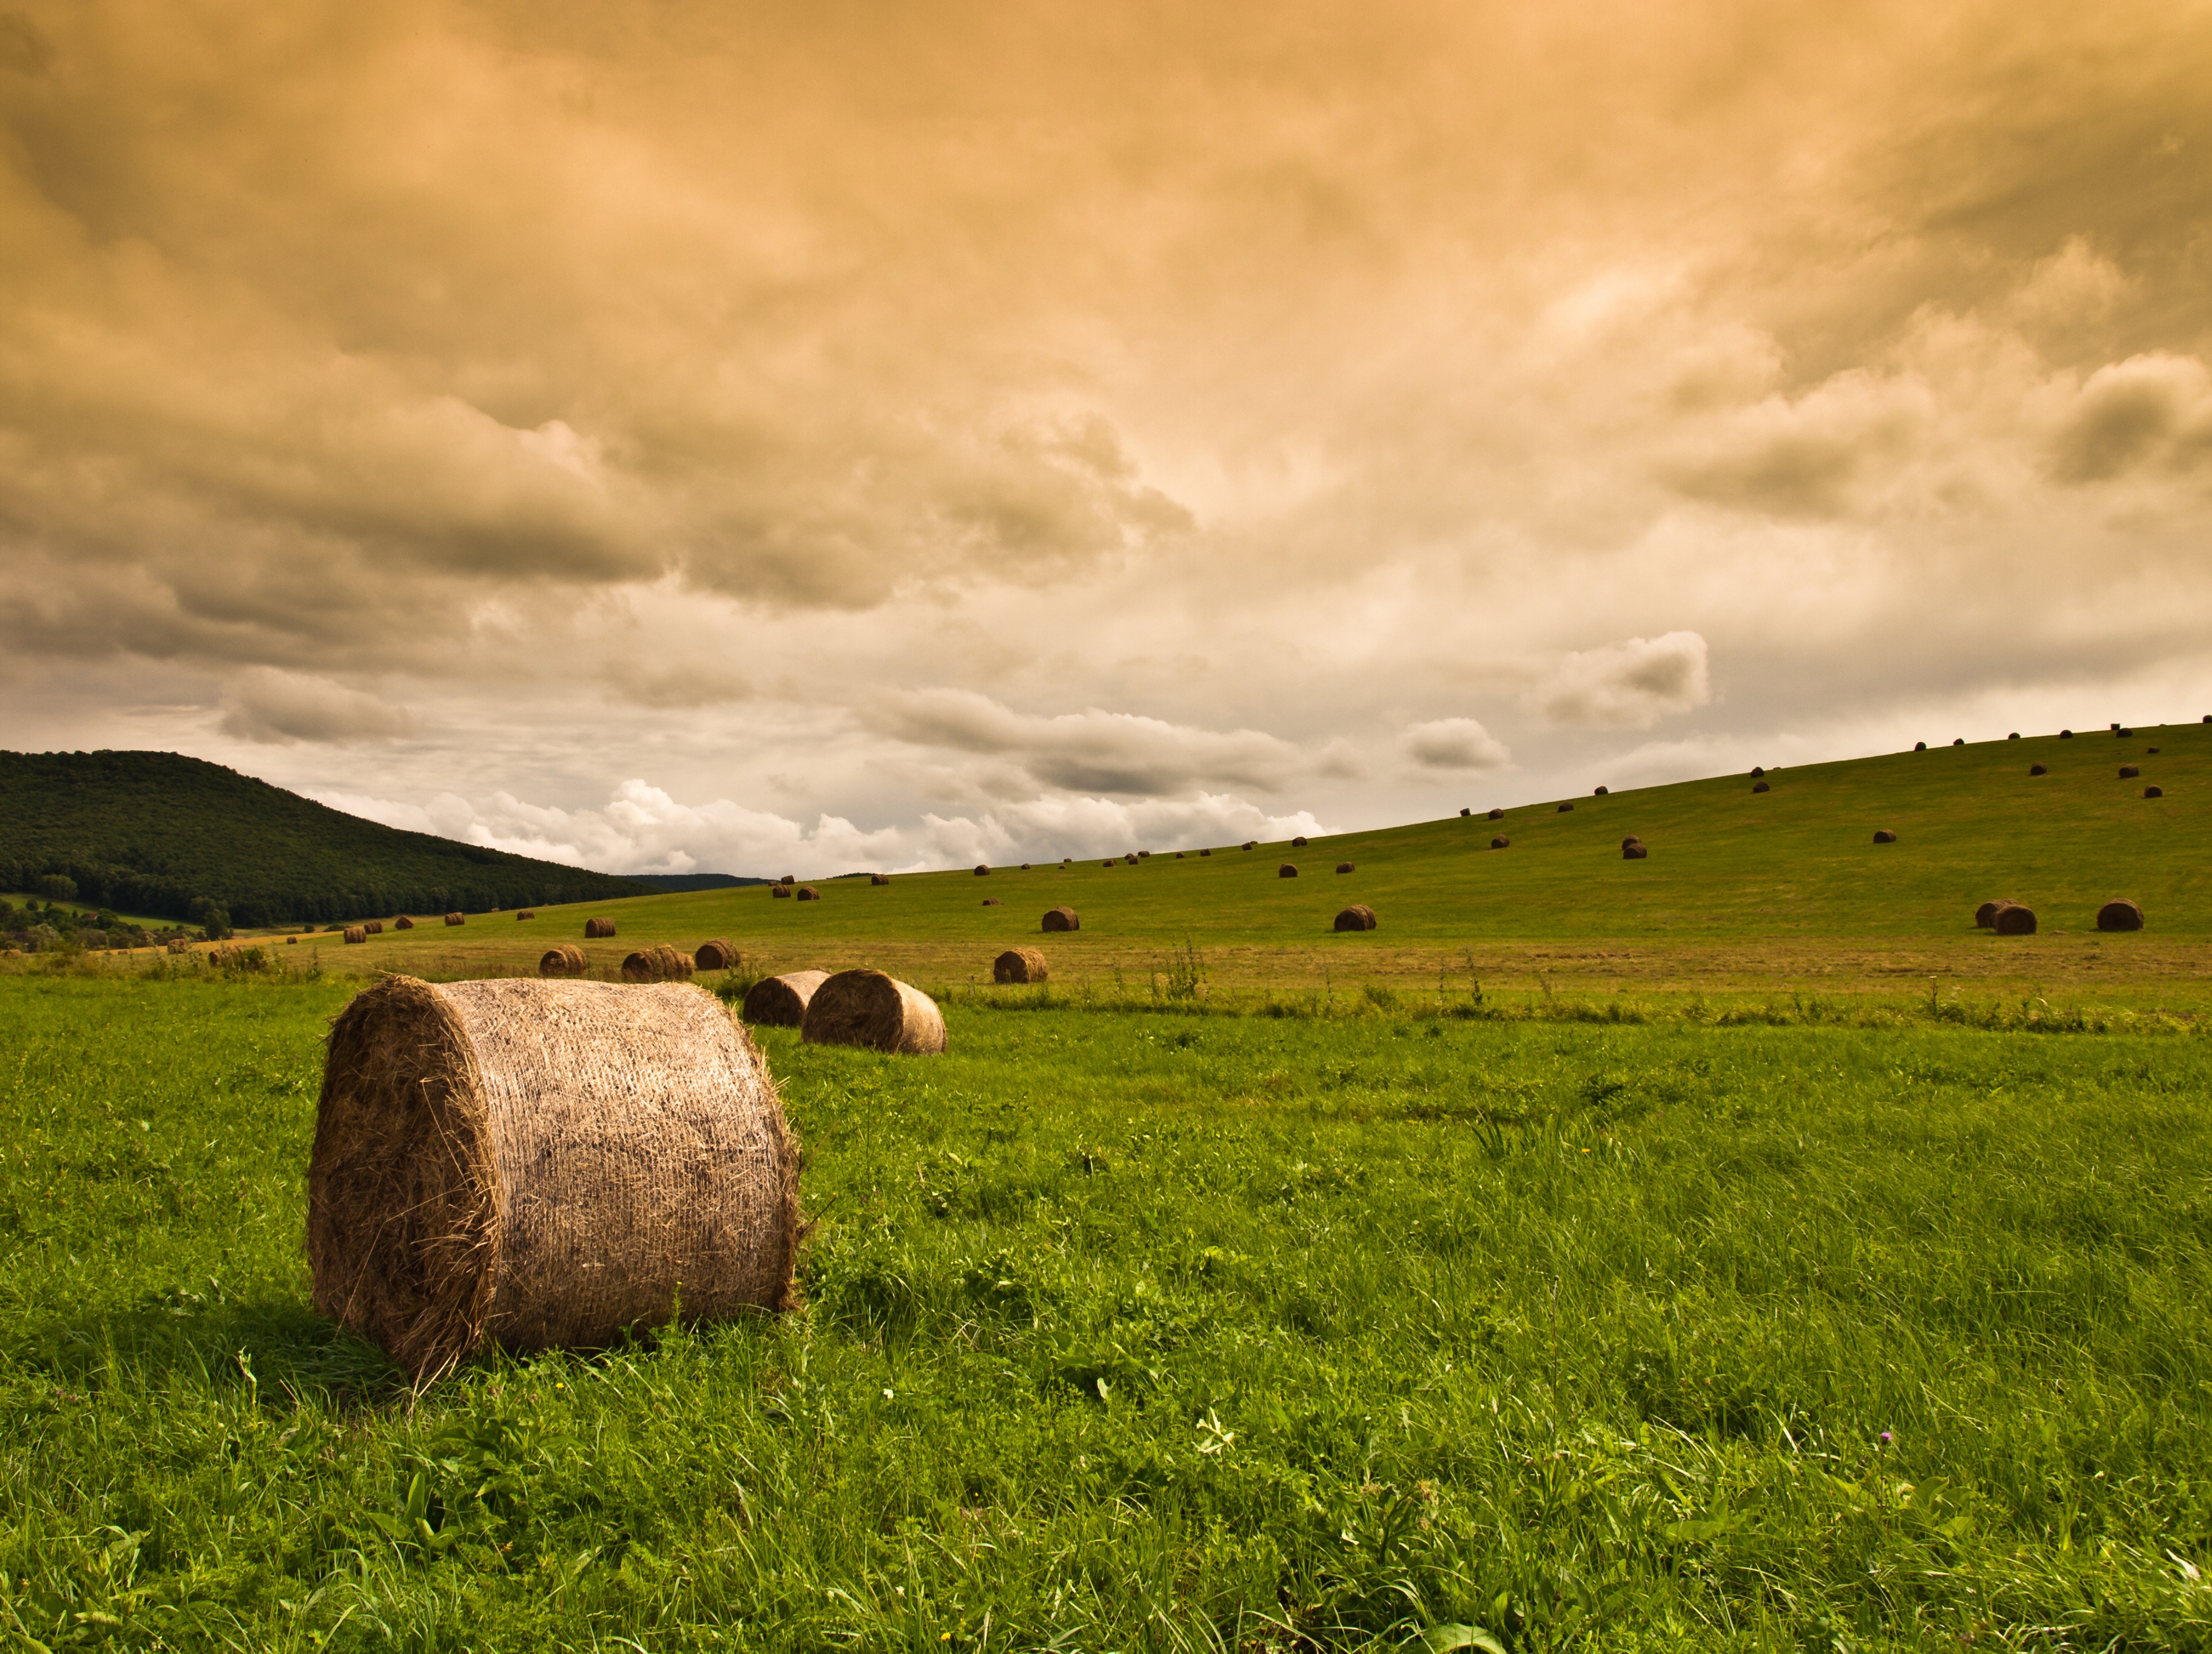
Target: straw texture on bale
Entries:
(780, 1001)
(2038, 769)
(1356, 917)
(657, 964)
(807, 893)
(879, 879)
(403, 922)
(1299, 842)
(595, 929)
(2128, 772)
(2154, 792)
(356, 934)
(1497, 815)
(1985, 917)
(1019, 964)
(1061, 918)
(715, 955)
(544, 1164)
(876, 1011)
(2014, 920)
(457, 918)
(1345, 867)
(2122, 914)
(525, 913)
(1286, 871)
(1883, 835)
(1760, 787)
(374, 926)
(1500, 843)
(782, 891)
(566, 960)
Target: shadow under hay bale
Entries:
(1345, 867)
(403, 922)
(2128, 772)
(457, 918)
(879, 879)
(715, 955)
(2122, 914)
(1760, 787)
(1286, 871)
(2011, 919)
(657, 964)
(356, 933)
(1883, 835)
(2038, 769)
(521, 914)
(1061, 918)
(598, 929)
(1019, 964)
(477, 1142)
(1358, 917)
(2154, 792)
(875, 1012)
(1501, 843)
(807, 893)
(780, 1001)
(566, 960)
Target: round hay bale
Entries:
(566, 960)
(544, 1164)
(2038, 769)
(1500, 843)
(1358, 917)
(2124, 734)
(2152, 750)
(1143, 853)
(1107, 862)
(1564, 808)
(1019, 964)
(788, 879)
(1344, 867)
(1497, 815)
(1025, 866)
(598, 929)
(521, 914)
(1286, 871)
(1633, 852)
(1299, 842)
(2013, 736)
(2122, 914)
(1466, 812)
(1958, 740)
(807, 893)
(876, 1011)
(982, 870)
(1061, 918)
(2065, 734)
(879, 879)
(780, 1001)
(1632, 839)
(1178, 856)
(1600, 792)
(1883, 835)
(715, 955)
(2128, 772)
(1760, 787)
(403, 922)
(1251, 843)
(990, 901)
(1757, 771)
(1130, 858)
(2154, 792)
(1206, 852)
(657, 964)
(1920, 747)
(291, 941)
(177, 945)
(457, 918)
(374, 926)
(2014, 920)
(356, 933)
(1985, 917)
(782, 891)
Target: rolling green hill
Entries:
(158, 833)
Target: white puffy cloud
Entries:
(271, 707)
(1455, 744)
(1628, 685)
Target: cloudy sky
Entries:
(676, 436)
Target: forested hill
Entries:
(157, 833)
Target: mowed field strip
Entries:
(1741, 892)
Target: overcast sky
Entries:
(801, 437)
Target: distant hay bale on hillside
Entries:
(1501, 843)
(521, 914)
(1760, 787)
(177, 945)
(807, 893)
(476, 1140)
(716, 954)
(1465, 813)
(1958, 740)
(875, 1012)
(1344, 867)
(1358, 917)
(1985, 917)
(2128, 772)
(291, 941)
(2123, 734)
(990, 901)
(1920, 747)
(1178, 856)
(2154, 792)
(598, 929)
(2014, 920)
(1251, 843)
(780, 1001)
(374, 926)
(982, 870)
(1757, 771)
(879, 879)
(780, 891)
(1286, 871)
(657, 964)
(357, 933)
(1632, 839)
(1883, 835)
(1061, 918)
(1206, 852)
(566, 960)
(1599, 792)
(457, 918)
(788, 879)
(1633, 851)
(403, 922)
(1143, 853)
(2065, 734)
(1019, 964)
(2038, 769)
(1299, 842)
(1107, 862)
(1564, 808)
(2122, 914)
(2013, 736)
(1497, 815)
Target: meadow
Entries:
(1389, 1323)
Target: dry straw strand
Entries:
(876, 1011)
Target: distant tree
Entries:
(215, 924)
(58, 887)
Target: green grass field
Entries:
(1167, 1333)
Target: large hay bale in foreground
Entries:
(2122, 914)
(780, 1001)
(2014, 920)
(598, 929)
(1019, 964)
(566, 960)
(403, 922)
(541, 1163)
(356, 933)
(658, 964)
(1286, 871)
(1883, 835)
(876, 1011)
(457, 918)
(1061, 918)
(715, 955)
(1358, 917)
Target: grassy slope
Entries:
(1132, 1332)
